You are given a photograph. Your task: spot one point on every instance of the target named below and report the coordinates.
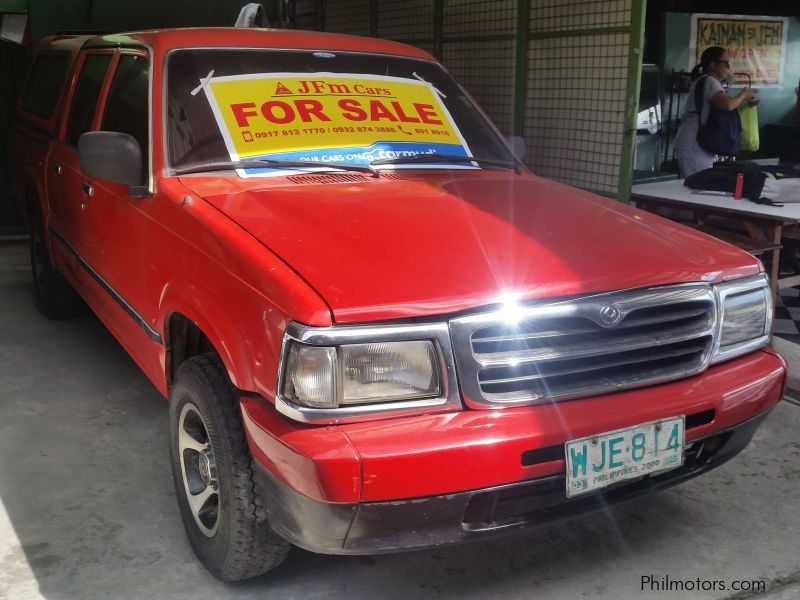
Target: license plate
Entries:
(597, 461)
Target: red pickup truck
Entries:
(377, 330)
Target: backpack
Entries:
(723, 179)
(721, 132)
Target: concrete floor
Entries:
(87, 508)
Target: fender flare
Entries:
(195, 303)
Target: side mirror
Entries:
(517, 144)
(112, 156)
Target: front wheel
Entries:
(224, 520)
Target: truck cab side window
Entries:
(86, 94)
(126, 109)
(45, 83)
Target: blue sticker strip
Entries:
(363, 155)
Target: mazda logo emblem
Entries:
(610, 315)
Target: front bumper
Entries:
(382, 527)
(434, 454)
(421, 481)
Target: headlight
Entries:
(351, 373)
(745, 316)
(311, 376)
(388, 371)
(330, 377)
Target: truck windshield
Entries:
(322, 108)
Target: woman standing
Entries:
(714, 62)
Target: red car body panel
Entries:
(462, 241)
(163, 41)
(242, 258)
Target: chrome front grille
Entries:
(591, 345)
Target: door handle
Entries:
(88, 189)
(57, 169)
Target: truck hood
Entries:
(410, 245)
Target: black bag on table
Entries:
(721, 132)
(723, 179)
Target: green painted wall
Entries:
(776, 105)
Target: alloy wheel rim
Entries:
(198, 470)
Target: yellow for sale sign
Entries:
(331, 118)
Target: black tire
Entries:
(55, 297)
(229, 532)
(790, 257)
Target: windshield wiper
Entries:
(269, 163)
(448, 158)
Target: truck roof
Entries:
(162, 40)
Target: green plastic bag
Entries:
(749, 140)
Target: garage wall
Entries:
(479, 49)
(13, 65)
(354, 17)
(47, 17)
(564, 74)
(577, 86)
(474, 38)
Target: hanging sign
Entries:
(331, 118)
(756, 45)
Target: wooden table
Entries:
(764, 227)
